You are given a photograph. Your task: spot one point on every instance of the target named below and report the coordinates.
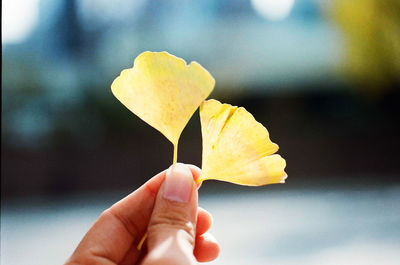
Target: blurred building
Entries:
(314, 72)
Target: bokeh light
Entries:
(273, 10)
(18, 20)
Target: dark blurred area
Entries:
(322, 76)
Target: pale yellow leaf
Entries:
(163, 90)
(237, 148)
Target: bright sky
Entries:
(19, 18)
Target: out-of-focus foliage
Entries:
(372, 33)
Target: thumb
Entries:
(171, 230)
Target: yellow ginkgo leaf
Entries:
(163, 91)
(237, 148)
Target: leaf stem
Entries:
(140, 245)
(175, 159)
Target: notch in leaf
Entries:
(163, 91)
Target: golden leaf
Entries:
(163, 91)
(237, 148)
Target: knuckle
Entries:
(172, 221)
(129, 225)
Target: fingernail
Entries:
(178, 183)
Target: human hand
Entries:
(166, 207)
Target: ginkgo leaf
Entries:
(164, 91)
(237, 148)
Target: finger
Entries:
(171, 231)
(119, 227)
(204, 221)
(196, 171)
(206, 248)
(133, 255)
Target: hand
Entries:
(166, 208)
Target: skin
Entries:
(177, 231)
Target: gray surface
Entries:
(279, 227)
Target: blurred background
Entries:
(322, 75)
